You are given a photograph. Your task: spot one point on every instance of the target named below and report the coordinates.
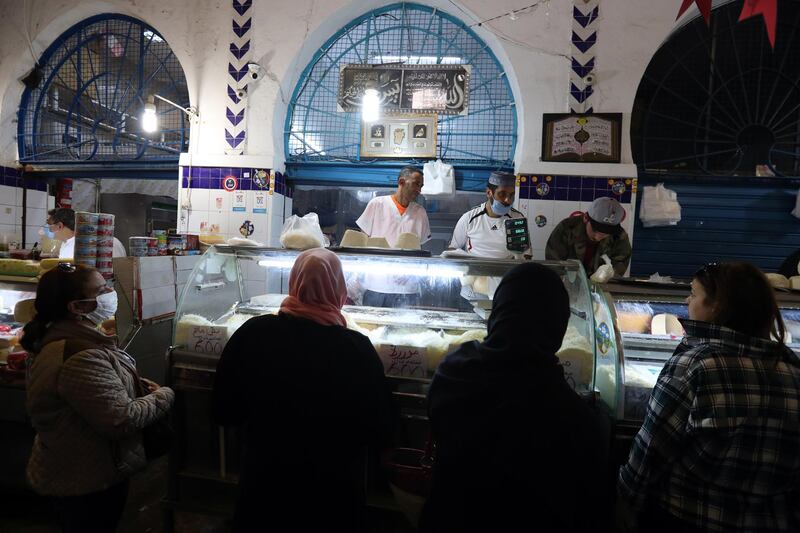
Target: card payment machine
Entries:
(517, 237)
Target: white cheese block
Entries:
(377, 242)
(408, 241)
(354, 239)
(577, 349)
(794, 282)
(666, 324)
(779, 281)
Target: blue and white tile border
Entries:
(585, 14)
(238, 58)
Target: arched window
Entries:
(97, 77)
(316, 132)
(719, 100)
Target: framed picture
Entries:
(587, 138)
(400, 136)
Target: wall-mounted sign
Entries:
(590, 138)
(442, 89)
(239, 201)
(229, 183)
(260, 202)
(406, 136)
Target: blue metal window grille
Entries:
(412, 34)
(97, 77)
(718, 100)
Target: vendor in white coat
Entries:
(388, 217)
(61, 226)
(481, 231)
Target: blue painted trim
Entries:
(379, 174)
(302, 80)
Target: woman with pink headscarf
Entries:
(311, 396)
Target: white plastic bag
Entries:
(439, 178)
(302, 233)
(604, 272)
(660, 207)
(796, 210)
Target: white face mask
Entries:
(106, 308)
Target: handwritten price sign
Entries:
(208, 339)
(404, 361)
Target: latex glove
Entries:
(604, 272)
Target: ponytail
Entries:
(57, 288)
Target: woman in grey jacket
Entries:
(83, 400)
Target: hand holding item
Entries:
(150, 386)
(109, 327)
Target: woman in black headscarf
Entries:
(516, 448)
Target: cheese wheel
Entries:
(779, 281)
(354, 239)
(377, 242)
(794, 282)
(666, 324)
(631, 322)
(408, 241)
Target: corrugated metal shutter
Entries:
(733, 218)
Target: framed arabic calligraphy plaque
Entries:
(441, 89)
(407, 136)
(589, 138)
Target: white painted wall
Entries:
(534, 50)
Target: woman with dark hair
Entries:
(516, 448)
(82, 398)
(311, 395)
(719, 449)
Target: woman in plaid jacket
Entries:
(719, 449)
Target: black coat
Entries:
(516, 448)
(311, 399)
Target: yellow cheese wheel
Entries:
(631, 322)
(666, 324)
(779, 281)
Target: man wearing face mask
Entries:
(481, 231)
(589, 236)
(61, 226)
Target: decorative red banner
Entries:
(703, 5)
(766, 8)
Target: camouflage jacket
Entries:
(568, 241)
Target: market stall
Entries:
(233, 284)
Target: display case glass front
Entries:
(648, 319)
(450, 305)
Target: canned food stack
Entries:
(140, 246)
(161, 236)
(105, 245)
(86, 238)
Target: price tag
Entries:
(404, 361)
(572, 371)
(209, 340)
(239, 201)
(260, 202)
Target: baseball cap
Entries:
(605, 215)
(502, 179)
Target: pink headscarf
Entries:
(317, 290)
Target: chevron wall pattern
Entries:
(585, 14)
(238, 58)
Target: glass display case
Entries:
(230, 285)
(647, 316)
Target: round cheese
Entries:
(779, 281)
(666, 324)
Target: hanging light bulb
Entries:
(370, 105)
(149, 117)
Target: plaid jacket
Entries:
(720, 444)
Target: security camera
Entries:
(254, 71)
(590, 79)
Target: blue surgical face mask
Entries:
(499, 208)
(45, 231)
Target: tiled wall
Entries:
(261, 200)
(11, 201)
(548, 199)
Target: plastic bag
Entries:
(439, 178)
(660, 207)
(604, 272)
(303, 233)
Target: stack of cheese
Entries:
(19, 267)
